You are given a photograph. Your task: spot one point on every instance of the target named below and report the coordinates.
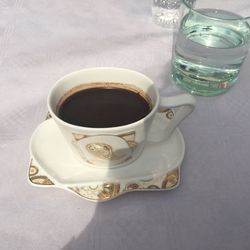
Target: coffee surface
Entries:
(103, 107)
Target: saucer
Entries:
(54, 165)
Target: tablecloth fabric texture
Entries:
(40, 41)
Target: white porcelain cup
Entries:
(116, 146)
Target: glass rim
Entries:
(189, 5)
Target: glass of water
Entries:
(166, 13)
(210, 47)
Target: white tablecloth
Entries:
(40, 41)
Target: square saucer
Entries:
(54, 165)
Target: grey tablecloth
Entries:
(40, 41)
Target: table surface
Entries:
(40, 41)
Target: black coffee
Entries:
(100, 107)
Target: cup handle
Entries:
(171, 112)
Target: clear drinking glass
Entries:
(210, 47)
(166, 13)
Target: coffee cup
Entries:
(115, 136)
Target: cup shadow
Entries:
(119, 225)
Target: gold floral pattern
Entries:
(48, 116)
(129, 138)
(153, 187)
(104, 151)
(169, 113)
(168, 181)
(78, 137)
(101, 192)
(36, 178)
(100, 150)
(132, 186)
(41, 180)
(110, 190)
(171, 179)
(33, 170)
